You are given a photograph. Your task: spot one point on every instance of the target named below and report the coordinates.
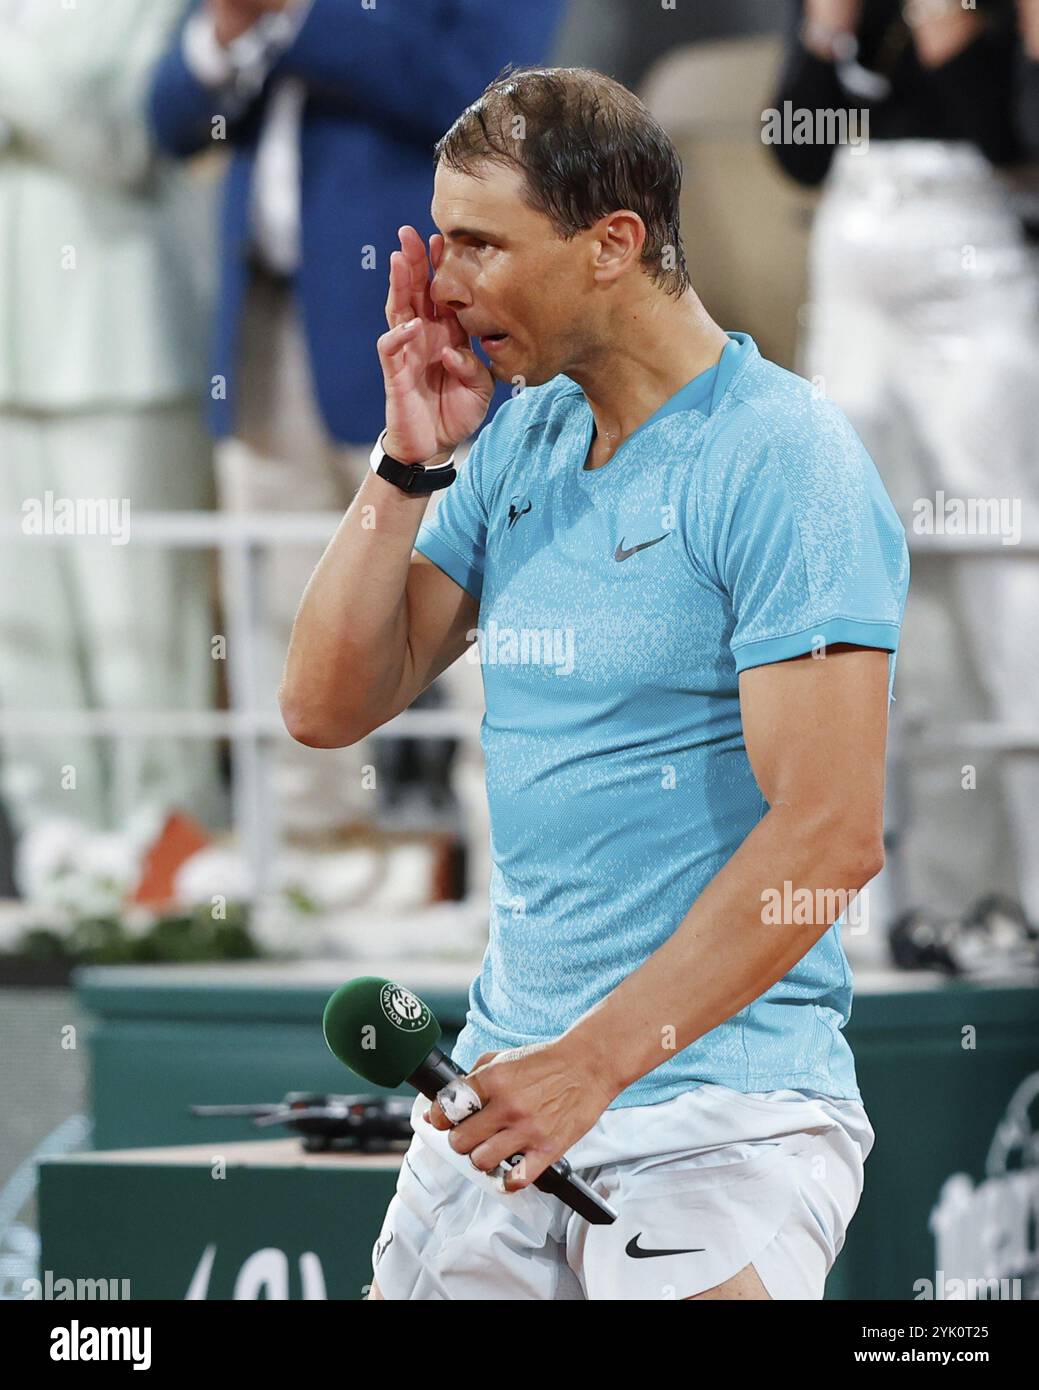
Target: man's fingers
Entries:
(527, 1171)
(420, 296)
(414, 250)
(399, 308)
(395, 338)
(465, 366)
(391, 346)
(457, 1103)
(436, 1117)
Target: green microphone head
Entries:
(379, 1029)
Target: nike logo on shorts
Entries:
(639, 1252)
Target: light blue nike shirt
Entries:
(741, 524)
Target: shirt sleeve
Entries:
(454, 533)
(812, 551)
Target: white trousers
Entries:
(102, 626)
(703, 1185)
(923, 325)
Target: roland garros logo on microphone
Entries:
(403, 1009)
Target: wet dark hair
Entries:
(586, 146)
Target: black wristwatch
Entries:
(411, 478)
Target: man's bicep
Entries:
(815, 729)
(440, 614)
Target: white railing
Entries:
(253, 721)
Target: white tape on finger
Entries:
(458, 1101)
(439, 1141)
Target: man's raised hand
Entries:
(437, 389)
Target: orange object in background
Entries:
(179, 838)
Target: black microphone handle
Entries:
(559, 1180)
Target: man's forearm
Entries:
(726, 951)
(349, 639)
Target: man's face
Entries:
(505, 269)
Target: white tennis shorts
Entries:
(703, 1185)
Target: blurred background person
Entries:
(330, 109)
(923, 325)
(104, 266)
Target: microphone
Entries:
(388, 1036)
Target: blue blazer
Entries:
(384, 83)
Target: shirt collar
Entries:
(739, 350)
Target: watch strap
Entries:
(412, 478)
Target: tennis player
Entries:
(685, 583)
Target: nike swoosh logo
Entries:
(638, 1252)
(621, 554)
